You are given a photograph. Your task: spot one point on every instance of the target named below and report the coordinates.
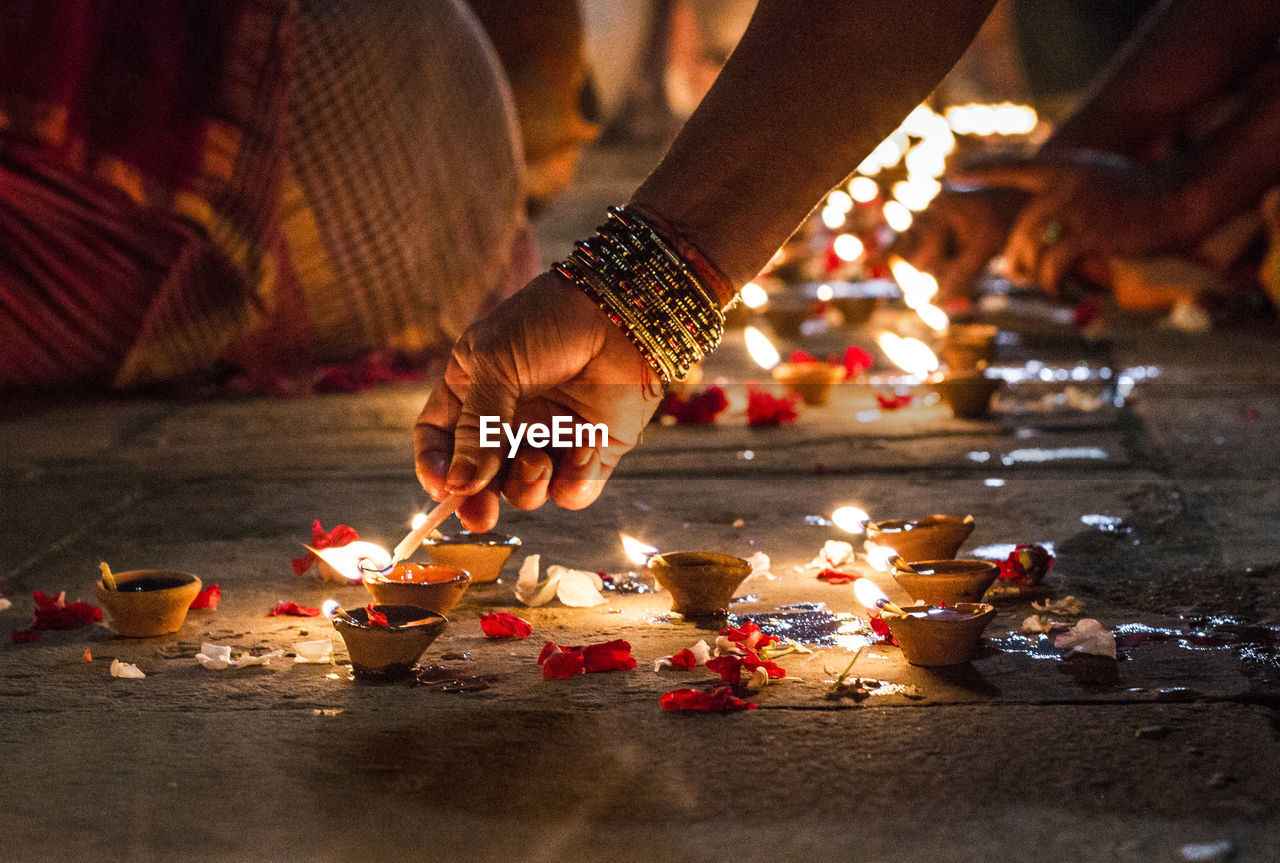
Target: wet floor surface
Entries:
(1155, 482)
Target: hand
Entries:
(1088, 205)
(959, 234)
(546, 351)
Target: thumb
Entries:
(489, 401)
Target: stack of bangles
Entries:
(649, 291)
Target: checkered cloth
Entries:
(270, 182)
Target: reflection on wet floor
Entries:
(811, 623)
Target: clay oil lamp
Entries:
(810, 378)
(785, 313)
(935, 537)
(929, 635)
(481, 554)
(945, 582)
(385, 641)
(425, 585)
(146, 602)
(968, 393)
(969, 346)
(701, 583)
(856, 301)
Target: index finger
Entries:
(433, 438)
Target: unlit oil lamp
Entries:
(481, 554)
(969, 346)
(385, 641)
(701, 583)
(146, 602)
(811, 380)
(934, 537)
(929, 635)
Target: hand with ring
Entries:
(1084, 206)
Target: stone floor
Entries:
(1161, 512)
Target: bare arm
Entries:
(1186, 53)
(813, 86)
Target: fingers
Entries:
(488, 403)
(433, 439)
(528, 478)
(576, 485)
(479, 512)
(1028, 176)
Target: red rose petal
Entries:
(502, 625)
(765, 409)
(561, 665)
(893, 401)
(880, 628)
(320, 539)
(376, 618)
(748, 635)
(721, 700)
(208, 598)
(683, 659)
(698, 409)
(86, 656)
(54, 612)
(24, 636)
(801, 357)
(547, 650)
(728, 667)
(292, 609)
(835, 576)
(610, 656)
(857, 361)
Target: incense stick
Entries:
(434, 519)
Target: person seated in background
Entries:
(1178, 137)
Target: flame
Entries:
(848, 247)
(851, 519)
(833, 218)
(1005, 118)
(934, 317)
(897, 216)
(330, 608)
(916, 193)
(911, 355)
(354, 559)
(918, 287)
(753, 296)
(879, 557)
(637, 552)
(825, 293)
(864, 190)
(761, 349)
(839, 200)
(417, 520)
(868, 594)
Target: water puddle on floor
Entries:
(812, 624)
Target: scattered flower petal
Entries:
(577, 588)
(698, 409)
(748, 635)
(1088, 636)
(376, 618)
(126, 669)
(835, 576)
(24, 636)
(834, 553)
(561, 665)
(529, 590)
(608, 656)
(856, 361)
(217, 657)
(880, 628)
(87, 656)
(1068, 606)
(499, 624)
(890, 401)
(320, 539)
(5, 604)
(765, 409)
(760, 563)
(731, 666)
(1026, 565)
(54, 612)
(1035, 623)
(292, 609)
(721, 700)
(208, 598)
(319, 651)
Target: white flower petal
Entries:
(759, 563)
(126, 669)
(529, 590)
(1088, 636)
(318, 651)
(701, 651)
(577, 588)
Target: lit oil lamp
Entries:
(425, 585)
(481, 554)
(811, 379)
(142, 603)
(935, 537)
(928, 635)
(701, 583)
(969, 346)
(946, 582)
(385, 641)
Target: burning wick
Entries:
(637, 552)
(108, 580)
(761, 349)
(851, 519)
(421, 528)
(873, 597)
(332, 608)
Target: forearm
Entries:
(812, 87)
(1186, 53)
(1233, 170)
